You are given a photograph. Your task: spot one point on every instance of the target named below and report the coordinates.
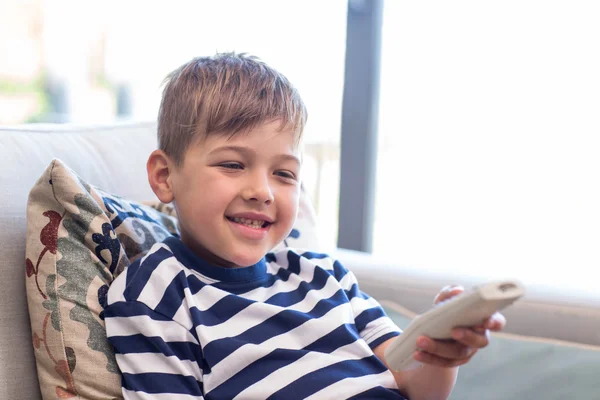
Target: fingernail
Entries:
(422, 343)
(458, 334)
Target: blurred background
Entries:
(487, 128)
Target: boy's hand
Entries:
(465, 342)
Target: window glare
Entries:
(489, 139)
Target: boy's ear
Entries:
(159, 168)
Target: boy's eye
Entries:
(285, 174)
(232, 165)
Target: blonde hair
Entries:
(225, 94)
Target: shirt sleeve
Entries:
(371, 321)
(158, 357)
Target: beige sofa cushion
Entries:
(79, 238)
(112, 156)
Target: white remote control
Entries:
(466, 309)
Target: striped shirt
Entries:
(293, 326)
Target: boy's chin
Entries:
(246, 260)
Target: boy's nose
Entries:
(259, 190)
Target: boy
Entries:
(213, 314)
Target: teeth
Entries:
(252, 223)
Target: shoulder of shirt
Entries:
(116, 291)
(306, 259)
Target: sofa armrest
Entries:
(548, 312)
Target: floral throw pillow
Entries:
(79, 238)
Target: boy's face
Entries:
(236, 198)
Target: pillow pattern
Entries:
(79, 238)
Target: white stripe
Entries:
(281, 258)
(169, 331)
(306, 274)
(132, 395)
(303, 366)
(203, 278)
(324, 263)
(352, 386)
(377, 328)
(155, 247)
(258, 312)
(117, 287)
(294, 339)
(348, 280)
(159, 280)
(207, 297)
(183, 315)
(141, 363)
(359, 304)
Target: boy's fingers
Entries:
(448, 292)
(471, 338)
(496, 322)
(432, 359)
(449, 349)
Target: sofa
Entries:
(550, 348)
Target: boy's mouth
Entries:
(251, 223)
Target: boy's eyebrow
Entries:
(246, 151)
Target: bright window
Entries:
(489, 151)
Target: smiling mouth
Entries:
(251, 223)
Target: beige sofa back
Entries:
(112, 157)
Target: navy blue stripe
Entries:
(340, 336)
(157, 382)
(239, 288)
(354, 291)
(195, 284)
(293, 262)
(270, 257)
(219, 312)
(228, 306)
(280, 323)
(339, 271)
(267, 281)
(135, 344)
(131, 271)
(379, 393)
(131, 309)
(283, 274)
(324, 377)
(288, 299)
(236, 288)
(382, 339)
(279, 358)
(191, 260)
(256, 371)
(173, 295)
(366, 316)
(136, 285)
